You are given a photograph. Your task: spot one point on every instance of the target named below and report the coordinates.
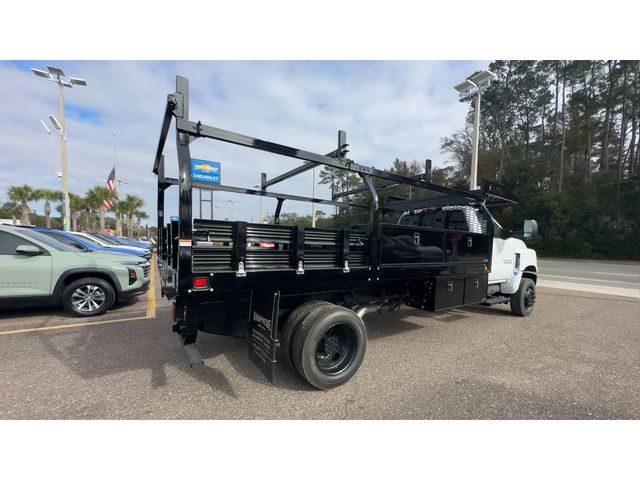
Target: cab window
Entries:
(410, 219)
(434, 219)
(457, 221)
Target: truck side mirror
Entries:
(530, 229)
(29, 250)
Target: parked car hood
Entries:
(131, 250)
(114, 257)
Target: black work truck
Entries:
(305, 290)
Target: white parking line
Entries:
(545, 275)
(583, 287)
(636, 275)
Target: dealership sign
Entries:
(205, 171)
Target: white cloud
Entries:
(388, 109)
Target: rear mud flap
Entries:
(193, 355)
(263, 332)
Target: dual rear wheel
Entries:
(325, 343)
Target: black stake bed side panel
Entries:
(278, 247)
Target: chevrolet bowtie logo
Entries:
(205, 168)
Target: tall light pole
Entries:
(313, 195)
(260, 217)
(475, 85)
(119, 188)
(231, 202)
(56, 75)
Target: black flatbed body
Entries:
(222, 275)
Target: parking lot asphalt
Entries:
(576, 357)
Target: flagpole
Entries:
(115, 186)
(114, 160)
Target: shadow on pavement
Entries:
(16, 313)
(98, 351)
(56, 312)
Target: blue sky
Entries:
(389, 109)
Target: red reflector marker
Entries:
(200, 282)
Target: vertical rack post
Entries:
(185, 188)
(160, 207)
(376, 221)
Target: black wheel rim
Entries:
(529, 298)
(336, 349)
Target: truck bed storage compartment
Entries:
(449, 292)
(437, 293)
(475, 289)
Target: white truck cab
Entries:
(514, 266)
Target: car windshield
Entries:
(48, 241)
(107, 239)
(127, 241)
(89, 240)
(124, 241)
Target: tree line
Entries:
(88, 212)
(564, 137)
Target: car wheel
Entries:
(88, 297)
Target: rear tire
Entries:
(88, 297)
(523, 301)
(293, 322)
(329, 346)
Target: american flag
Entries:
(111, 185)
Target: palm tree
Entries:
(10, 209)
(120, 208)
(48, 196)
(140, 215)
(96, 197)
(76, 205)
(22, 194)
(131, 204)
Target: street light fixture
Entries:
(46, 128)
(475, 85)
(78, 81)
(57, 75)
(55, 123)
(41, 73)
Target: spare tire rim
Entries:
(529, 298)
(88, 298)
(336, 349)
